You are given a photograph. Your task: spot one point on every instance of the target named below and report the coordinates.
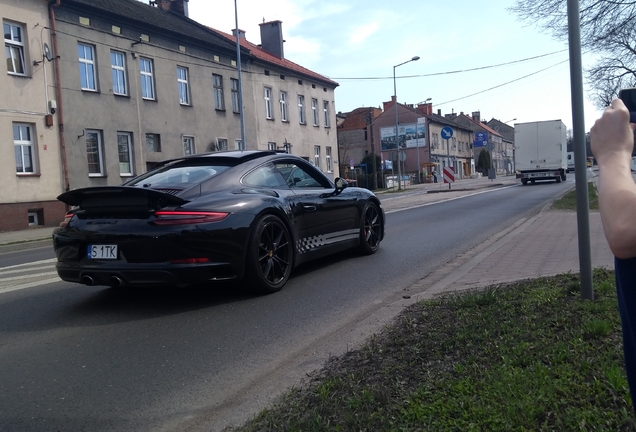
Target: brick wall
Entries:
(14, 217)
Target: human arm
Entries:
(612, 142)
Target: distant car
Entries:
(247, 216)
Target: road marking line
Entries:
(14, 278)
(29, 264)
(2, 273)
(29, 285)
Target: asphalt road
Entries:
(93, 358)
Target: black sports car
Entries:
(250, 215)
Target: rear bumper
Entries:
(539, 175)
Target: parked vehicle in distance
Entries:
(240, 216)
(541, 151)
(570, 166)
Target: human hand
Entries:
(612, 135)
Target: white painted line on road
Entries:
(28, 276)
(46, 261)
(29, 285)
(22, 270)
(447, 200)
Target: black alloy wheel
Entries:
(370, 230)
(270, 255)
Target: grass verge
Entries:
(531, 355)
(568, 201)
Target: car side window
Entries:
(299, 177)
(265, 176)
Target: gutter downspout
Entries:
(58, 94)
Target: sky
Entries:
(522, 73)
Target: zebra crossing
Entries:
(28, 275)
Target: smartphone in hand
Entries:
(628, 96)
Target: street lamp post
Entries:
(417, 145)
(397, 137)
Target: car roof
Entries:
(232, 157)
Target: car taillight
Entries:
(187, 217)
(67, 219)
(189, 261)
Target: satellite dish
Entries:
(47, 52)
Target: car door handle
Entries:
(309, 208)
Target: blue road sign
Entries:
(481, 139)
(447, 132)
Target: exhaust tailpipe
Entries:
(88, 280)
(115, 281)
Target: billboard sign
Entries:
(481, 139)
(410, 135)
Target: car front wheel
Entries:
(270, 255)
(371, 229)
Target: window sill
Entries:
(219, 109)
(269, 118)
(236, 112)
(126, 175)
(284, 121)
(28, 174)
(97, 175)
(18, 75)
(90, 90)
(121, 95)
(185, 105)
(149, 99)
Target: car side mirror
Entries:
(341, 184)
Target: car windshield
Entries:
(178, 175)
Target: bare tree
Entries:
(607, 29)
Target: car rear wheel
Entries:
(270, 255)
(370, 230)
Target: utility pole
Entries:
(369, 120)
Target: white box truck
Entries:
(540, 151)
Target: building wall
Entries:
(108, 113)
(303, 138)
(453, 151)
(23, 101)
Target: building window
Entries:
(94, 153)
(118, 67)
(271, 146)
(236, 103)
(267, 95)
(188, 146)
(147, 78)
(125, 151)
(23, 146)
(317, 156)
(301, 109)
(328, 159)
(86, 55)
(325, 109)
(14, 48)
(153, 142)
(284, 109)
(222, 144)
(238, 144)
(219, 104)
(184, 87)
(314, 111)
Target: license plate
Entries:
(101, 252)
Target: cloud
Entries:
(360, 33)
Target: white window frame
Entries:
(325, 109)
(284, 107)
(147, 78)
(14, 48)
(328, 159)
(267, 97)
(219, 102)
(188, 145)
(128, 151)
(221, 144)
(118, 68)
(88, 71)
(301, 109)
(271, 146)
(234, 84)
(238, 144)
(314, 111)
(317, 156)
(98, 153)
(22, 143)
(184, 85)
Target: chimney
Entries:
(240, 32)
(272, 38)
(388, 105)
(439, 112)
(177, 6)
(426, 108)
(476, 116)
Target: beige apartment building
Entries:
(128, 84)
